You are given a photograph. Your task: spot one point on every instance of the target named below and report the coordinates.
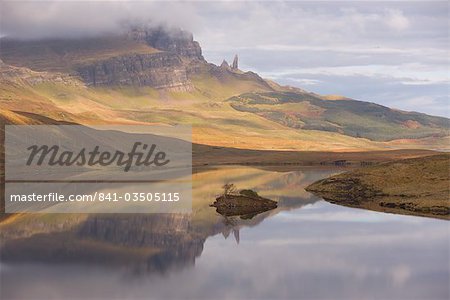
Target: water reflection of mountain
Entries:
(153, 242)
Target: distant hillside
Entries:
(350, 117)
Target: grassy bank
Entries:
(418, 186)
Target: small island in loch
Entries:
(245, 203)
(417, 186)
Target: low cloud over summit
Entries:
(36, 20)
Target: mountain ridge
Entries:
(156, 76)
(155, 57)
(315, 113)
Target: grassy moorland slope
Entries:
(349, 117)
(418, 186)
(214, 122)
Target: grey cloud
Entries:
(325, 24)
(42, 19)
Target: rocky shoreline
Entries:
(418, 186)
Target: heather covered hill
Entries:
(350, 117)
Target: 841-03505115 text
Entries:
(98, 197)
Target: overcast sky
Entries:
(392, 53)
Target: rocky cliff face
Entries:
(166, 69)
(235, 65)
(179, 59)
(175, 41)
(155, 57)
(159, 57)
(159, 70)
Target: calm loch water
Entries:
(304, 249)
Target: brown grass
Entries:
(418, 186)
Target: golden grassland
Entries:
(418, 186)
(214, 121)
